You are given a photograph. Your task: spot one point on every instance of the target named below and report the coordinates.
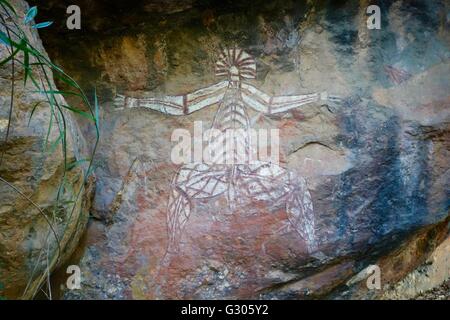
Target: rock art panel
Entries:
(243, 180)
(376, 162)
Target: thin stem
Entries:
(11, 105)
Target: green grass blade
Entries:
(77, 111)
(32, 111)
(9, 58)
(8, 5)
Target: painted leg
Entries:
(300, 212)
(178, 212)
(192, 181)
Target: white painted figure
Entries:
(241, 182)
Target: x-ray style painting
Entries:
(240, 182)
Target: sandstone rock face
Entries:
(431, 274)
(28, 246)
(376, 163)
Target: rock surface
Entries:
(377, 165)
(28, 247)
(434, 273)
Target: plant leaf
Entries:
(56, 92)
(26, 66)
(56, 142)
(4, 39)
(8, 5)
(66, 79)
(77, 163)
(49, 129)
(42, 25)
(77, 111)
(11, 56)
(8, 41)
(32, 12)
(32, 111)
(96, 107)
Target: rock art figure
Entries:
(240, 180)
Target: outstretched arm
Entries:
(176, 105)
(262, 102)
